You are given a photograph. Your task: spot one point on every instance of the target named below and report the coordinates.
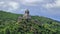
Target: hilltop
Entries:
(37, 25)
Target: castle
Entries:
(25, 16)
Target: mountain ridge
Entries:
(1, 11)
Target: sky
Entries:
(46, 8)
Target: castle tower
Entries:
(26, 15)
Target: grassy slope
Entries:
(8, 22)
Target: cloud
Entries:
(2, 4)
(53, 8)
(14, 5)
(9, 5)
(55, 4)
(35, 2)
(30, 2)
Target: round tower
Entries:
(27, 11)
(26, 15)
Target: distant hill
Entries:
(37, 25)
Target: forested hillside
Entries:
(37, 25)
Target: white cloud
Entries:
(1, 3)
(14, 5)
(49, 5)
(53, 5)
(9, 5)
(46, 3)
(57, 3)
(30, 2)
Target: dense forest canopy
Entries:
(37, 25)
